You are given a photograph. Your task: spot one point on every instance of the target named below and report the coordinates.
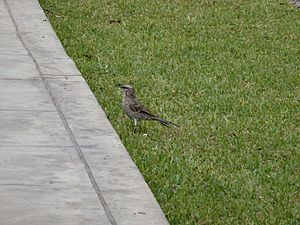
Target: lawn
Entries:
(228, 72)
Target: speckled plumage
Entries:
(136, 110)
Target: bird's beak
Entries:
(120, 85)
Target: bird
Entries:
(136, 111)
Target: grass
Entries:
(227, 71)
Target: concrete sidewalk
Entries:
(61, 162)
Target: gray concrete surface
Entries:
(61, 162)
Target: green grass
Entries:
(227, 71)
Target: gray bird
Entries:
(136, 110)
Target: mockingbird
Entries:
(136, 111)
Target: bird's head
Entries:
(128, 89)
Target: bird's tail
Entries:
(165, 122)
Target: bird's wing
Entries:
(139, 108)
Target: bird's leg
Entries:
(135, 128)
